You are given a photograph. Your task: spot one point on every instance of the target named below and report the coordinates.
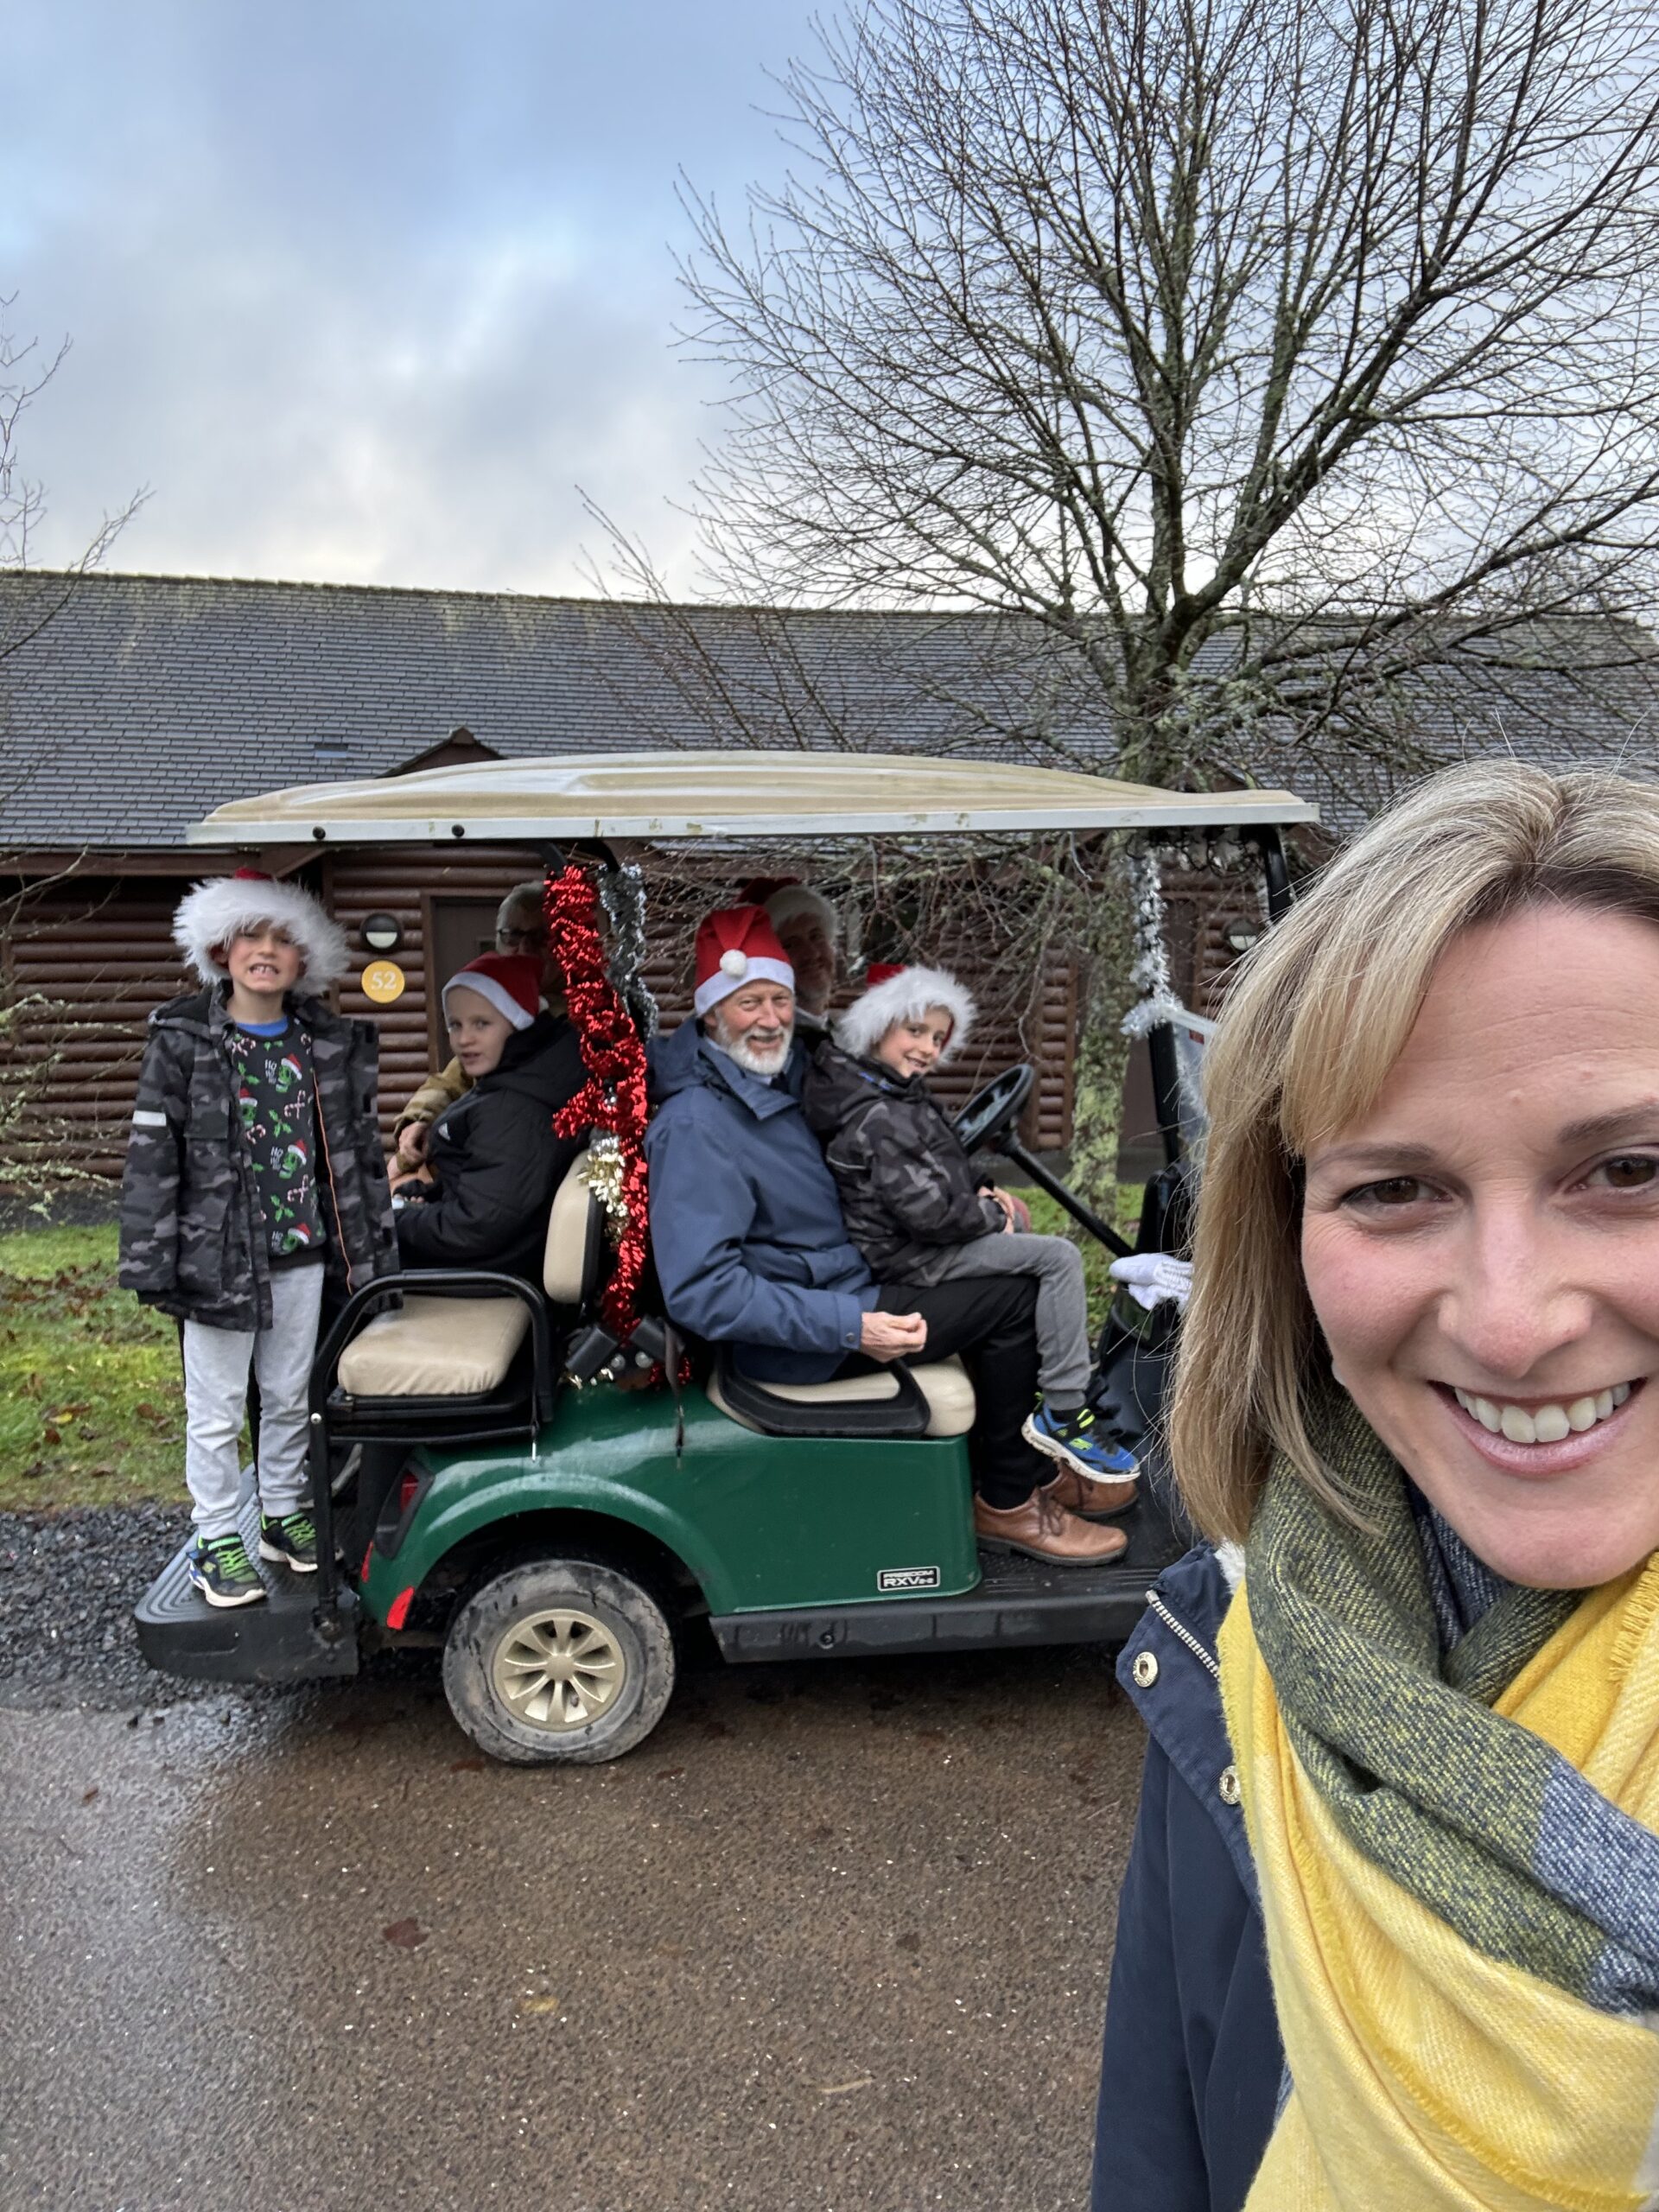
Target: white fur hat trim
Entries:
(493, 991)
(231, 905)
(906, 997)
(757, 968)
(797, 899)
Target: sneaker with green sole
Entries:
(291, 1540)
(221, 1570)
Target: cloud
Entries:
(362, 297)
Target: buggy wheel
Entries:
(558, 1660)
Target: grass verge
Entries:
(91, 1399)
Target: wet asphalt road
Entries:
(834, 1940)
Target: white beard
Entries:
(753, 1058)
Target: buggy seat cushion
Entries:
(576, 1240)
(435, 1348)
(943, 1382)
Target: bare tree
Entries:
(32, 1029)
(33, 596)
(1254, 352)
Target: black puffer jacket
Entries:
(908, 1190)
(496, 1162)
(193, 1235)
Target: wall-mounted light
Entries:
(383, 932)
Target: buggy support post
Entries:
(476, 1280)
(1166, 1088)
(1270, 843)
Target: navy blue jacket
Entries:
(1190, 2077)
(746, 1225)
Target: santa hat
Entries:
(790, 900)
(509, 981)
(737, 945)
(894, 994)
(228, 906)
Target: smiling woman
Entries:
(1406, 1951)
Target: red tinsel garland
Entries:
(613, 1096)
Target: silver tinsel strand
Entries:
(1155, 999)
(622, 895)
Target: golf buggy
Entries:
(535, 1478)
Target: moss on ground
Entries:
(92, 1400)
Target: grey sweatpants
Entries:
(216, 1364)
(1062, 1352)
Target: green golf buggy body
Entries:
(496, 1475)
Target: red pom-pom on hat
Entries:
(509, 981)
(737, 945)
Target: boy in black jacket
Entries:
(495, 1159)
(918, 1211)
(252, 1173)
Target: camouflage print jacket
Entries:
(193, 1235)
(908, 1190)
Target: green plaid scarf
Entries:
(1473, 1814)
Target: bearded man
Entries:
(752, 1251)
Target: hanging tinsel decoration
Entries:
(622, 893)
(1156, 1003)
(612, 1102)
(1155, 999)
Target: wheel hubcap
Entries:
(559, 1669)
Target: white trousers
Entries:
(216, 1365)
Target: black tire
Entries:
(541, 1605)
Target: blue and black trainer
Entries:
(221, 1570)
(1077, 1441)
(290, 1539)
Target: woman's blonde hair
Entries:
(1313, 1026)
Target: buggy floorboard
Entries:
(279, 1641)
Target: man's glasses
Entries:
(521, 940)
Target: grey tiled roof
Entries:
(147, 699)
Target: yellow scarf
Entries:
(1427, 2074)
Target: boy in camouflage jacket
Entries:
(253, 1173)
(920, 1213)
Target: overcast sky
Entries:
(362, 288)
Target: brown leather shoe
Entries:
(1075, 1492)
(1044, 1531)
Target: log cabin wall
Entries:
(86, 960)
(94, 954)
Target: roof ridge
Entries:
(107, 576)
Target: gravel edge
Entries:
(68, 1583)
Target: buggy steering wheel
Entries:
(991, 1113)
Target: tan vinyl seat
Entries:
(435, 1348)
(462, 1347)
(943, 1382)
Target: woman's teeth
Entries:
(1543, 1424)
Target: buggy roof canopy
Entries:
(735, 794)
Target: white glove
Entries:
(1151, 1277)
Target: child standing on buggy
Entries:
(918, 1212)
(252, 1175)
